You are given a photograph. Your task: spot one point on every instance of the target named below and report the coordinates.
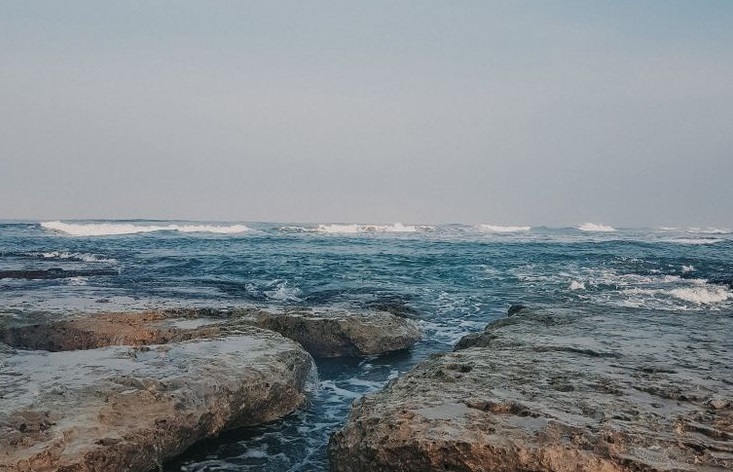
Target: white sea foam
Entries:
(708, 230)
(284, 293)
(503, 229)
(576, 285)
(73, 256)
(688, 268)
(693, 241)
(702, 295)
(596, 227)
(113, 229)
(357, 228)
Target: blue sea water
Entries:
(451, 279)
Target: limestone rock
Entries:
(340, 333)
(557, 391)
(131, 408)
(323, 333)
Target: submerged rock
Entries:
(556, 391)
(131, 408)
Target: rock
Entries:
(54, 273)
(131, 408)
(556, 391)
(110, 329)
(322, 333)
(340, 333)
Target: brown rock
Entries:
(561, 391)
(130, 409)
(340, 333)
(322, 333)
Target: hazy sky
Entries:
(537, 112)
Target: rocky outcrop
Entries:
(340, 333)
(557, 391)
(323, 333)
(127, 391)
(130, 408)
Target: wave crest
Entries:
(503, 229)
(703, 295)
(356, 228)
(596, 227)
(116, 229)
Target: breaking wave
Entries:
(356, 228)
(702, 295)
(72, 256)
(115, 229)
(596, 227)
(503, 229)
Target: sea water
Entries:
(451, 279)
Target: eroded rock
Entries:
(556, 391)
(340, 333)
(323, 333)
(131, 408)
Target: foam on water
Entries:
(359, 228)
(281, 292)
(503, 229)
(596, 227)
(693, 241)
(702, 295)
(72, 256)
(708, 230)
(116, 229)
(576, 285)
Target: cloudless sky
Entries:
(617, 112)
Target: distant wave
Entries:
(503, 229)
(112, 229)
(693, 241)
(72, 256)
(355, 229)
(708, 230)
(596, 228)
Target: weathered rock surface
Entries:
(324, 333)
(127, 391)
(557, 391)
(131, 408)
(340, 333)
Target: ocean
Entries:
(451, 279)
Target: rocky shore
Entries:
(128, 391)
(549, 391)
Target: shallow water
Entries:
(451, 279)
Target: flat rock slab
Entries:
(340, 333)
(323, 333)
(557, 391)
(130, 409)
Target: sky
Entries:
(498, 112)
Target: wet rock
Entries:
(340, 333)
(556, 391)
(123, 408)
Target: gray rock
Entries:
(556, 391)
(131, 408)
